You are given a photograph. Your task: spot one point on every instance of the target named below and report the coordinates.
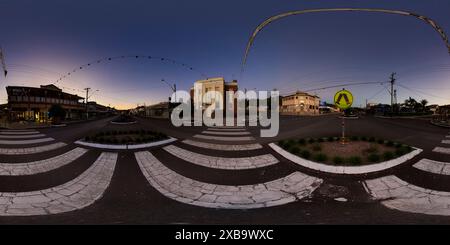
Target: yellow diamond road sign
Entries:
(343, 99)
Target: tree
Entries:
(56, 113)
(424, 103)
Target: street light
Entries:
(172, 87)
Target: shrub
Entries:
(87, 138)
(330, 139)
(397, 145)
(373, 157)
(380, 141)
(354, 160)
(311, 140)
(388, 155)
(408, 148)
(390, 143)
(305, 154)
(364, 138)
(138, 140)
(316, 147)
(115, 141)
(372, 149)
(372, 139)
(400, 151)
(107, 133)
(114, 132)
(354, 138)
(338, 160)
(320, 157)
(301, 141)
(294, 150)
(320, 140)
(288, 144)
(281, 143)
(123, 141)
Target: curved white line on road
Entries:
(125, 147)
(397, 194)
(288, 189)
(222, 162)
(221, 147)
(30, 168)
(219, 138)
(345, 169)
(227, 129)
(225, 133)
(25, 142)
(442, 150)
(31, 150)
(18, 133)
(434, 167)
(73, 195)
(23, 136)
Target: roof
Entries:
(43, 90)
(301, 93)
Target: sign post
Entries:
(343, 99)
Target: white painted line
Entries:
(24, 136)
(222, 162)
(226, 133)
(220, 138)
(18, 133)
(25, 142)
(221, 147)
(73, 195)
(443, 150)
(35, 167)
(125, 147)
(31, 150)
(433, 166)
(226, 129)
(17, 130)
(445, 141)
(285, 190)
(397, 194)
(345, 169)
(229, 127)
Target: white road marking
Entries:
(73, 195)
(35, 167)
(222, 162)
(288, 189)
(221, 147)
(435, 167)
(397, 194)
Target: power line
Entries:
(162, 59)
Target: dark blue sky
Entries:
(42, 39)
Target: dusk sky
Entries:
(45, 39)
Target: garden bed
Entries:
(124, 119)
(125, 137)
(357, 151)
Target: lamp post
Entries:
(172, 87)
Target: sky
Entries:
(43, 40)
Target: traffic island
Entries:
(124, 120)
(125, 139)
(359, 155)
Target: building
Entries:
(32, 104)
(201, 87)
(96, 110)
(300, 103)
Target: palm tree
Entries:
(424, 103)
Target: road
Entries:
(131, 197)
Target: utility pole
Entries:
(86, 101)
(392, 90)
